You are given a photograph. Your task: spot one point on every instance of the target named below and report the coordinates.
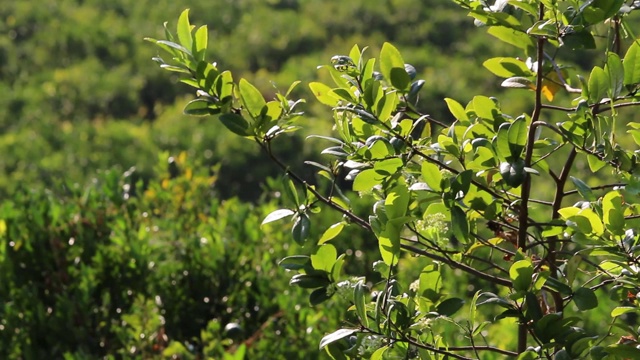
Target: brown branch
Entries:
(491, 278)
(526, 186)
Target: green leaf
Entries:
(548, 28)
(517, 137)
(516, 38)
(301, 227)
(518, 82)
(613, 214)
(431, 175)
(367, 179)
(521, 273)
(397, 201)
(318, 296)
(359, 301)
(336, 335)
(389, 244)
(184, 30)
(324, 258)
(333, 231)
(294, 262)
(199, 107)
(585, 299)
(598, 85)
(277, 215)
(235, 123)
(615, 71)
(583, 189)
(306, 281)
(562, 355)
(456, 109)
(290, 189)
(201, 38)
(485, 107)
(558, 286)
(600, 10)
(595, 164)
(631, 64)
(528, 355)
(337, 267)
(449, 306)
(507, 67)
(379, 354)
(513, 173)
(621, 310)
(430, 283)
(323, 93)
(622, 351)
(392, 67)
(252, 99)
(459, 224)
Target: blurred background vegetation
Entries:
(129, 229)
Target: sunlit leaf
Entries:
(631, 64)
(336, 335)
(277, 215)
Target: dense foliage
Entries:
(130, 230)
(463, 197)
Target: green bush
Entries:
(125, 269)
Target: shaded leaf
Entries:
(585, 299)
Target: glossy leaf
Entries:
(199, 107)
(301, 227)
(359, 291)
(518, 82)
(277, 215)
(294, 262)
(517, 137)
(318, 296)
(306, 281)
(235, 123)
(336, 335)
